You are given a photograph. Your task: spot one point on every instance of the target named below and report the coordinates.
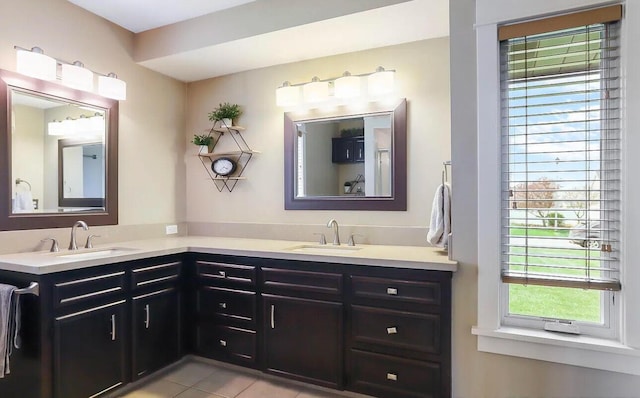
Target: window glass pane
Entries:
(556, 303)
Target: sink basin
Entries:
(96, 253)
(325, 249)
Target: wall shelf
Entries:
(241, 157)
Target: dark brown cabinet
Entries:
(347, 149)
(303, 338)
(385, 332)
(156, 316)
(90, 331)
(226, 302)
(399, 342)
(303, 324)
(156, 331)
(114, 324)
(90, 351)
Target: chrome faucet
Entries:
(336, 236)
(73, 245)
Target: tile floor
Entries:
(194, 379)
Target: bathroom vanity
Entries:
(355, 321)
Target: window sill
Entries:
(567, 349)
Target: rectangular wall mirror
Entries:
(344, 161)
(59, 155)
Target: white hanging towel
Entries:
(23, 202)
(440, 225)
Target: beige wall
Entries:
(151, 129)
(478, 374)
(422, 77)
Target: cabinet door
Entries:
(90, 351)
(156, 331)
(342, 150)
(303, 339)
(358, 150)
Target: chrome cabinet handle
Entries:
(223, 305)
(392, 376)
(223, 343)
(146, 320)
(392, 330)
(113, 327)
(222, 274)
(392, 291)
(273, 320)
(347, 154)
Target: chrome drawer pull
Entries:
(392, 330)
(392, 376)
(223, 305)
(146, 320)
(222, 274)
(273, 316)
(392, 291)
(113, 327)
(223, 343)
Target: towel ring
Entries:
(19, 180)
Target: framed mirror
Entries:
(347, 161)
(58, 155)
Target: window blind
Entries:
(561, 153)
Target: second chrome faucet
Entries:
(336, 235)
(73, 245)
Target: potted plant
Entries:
(225, 113)
(203, 141)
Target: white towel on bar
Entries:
(9, 321)
(23, 202)
(440, 225)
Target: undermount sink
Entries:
(96, 253)
(324, 249)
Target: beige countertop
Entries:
(44, 262)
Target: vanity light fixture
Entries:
(380, 83)
(111, 87)
(35, 64)
(69, 127)
(97, 125)
(82, 126)
(347, 86)
(55, 128)
(287, 95)
(77, 76)
(316, 90)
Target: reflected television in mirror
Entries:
(346, 161)
(63, 143)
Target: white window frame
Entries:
(621, 354)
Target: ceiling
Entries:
(184, 32)
(140, 15)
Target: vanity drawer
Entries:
(154, 275)
(209, 271)
(395, 329)
(88, 287)
(278, 280)
(226, 304)
(396, 290)
(227, 343)
(386, 376)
